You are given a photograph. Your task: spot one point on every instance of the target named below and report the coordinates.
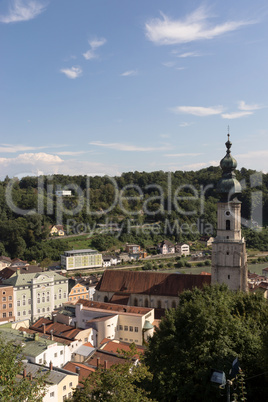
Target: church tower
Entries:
(229, 258)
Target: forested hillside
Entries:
(180, 205)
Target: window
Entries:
(9, 297)
(52, 394)
(105, 299)
(4, 315)
(10, 305)
(40, 361)
(135, 301)
(64, 295)
(29, 301)
(47, 308)
(61, 352)
(43, 310)
(38, 310)
(228, 276)
(228, 225)
(55, 297)
(131, 329)
(146, 303)
(18, 313)
(159, 304)
(59, 293)
(29, 312)
(4, 299)
(125, 328)
(43, 298)
(38, 298)
(4, 306)
(64, 387)
(136, 329)
(55, 355)
(4, 292)
(120, 327)
(10, 314)
(23, 300)
(18, 303)
(71, 384)
(64, 397)
(70, 394)
(24, 312)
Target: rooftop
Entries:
(150, 283)
(117, 308)
(85, 250)
(30, 346)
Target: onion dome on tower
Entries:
(228, 186)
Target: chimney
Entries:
(105, 364)
(50, 366)
(24, 373)
(44, 328)
(54, 317)
(36, 337)
(31, 376)
(98, 362)
(51, 334)
(18, 270)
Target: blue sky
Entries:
(110, 86)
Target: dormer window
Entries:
(228, 224)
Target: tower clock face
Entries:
(227, 213)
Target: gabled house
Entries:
(4, 262)
(166, 247)
(60, 383)
(56, 230)
(78, 291)
(182, 249)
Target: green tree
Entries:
(122, 382)
(11, 368)
(208, 330)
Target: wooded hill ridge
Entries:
(131, 200)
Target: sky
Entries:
(112, 86)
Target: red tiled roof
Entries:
(151, 283)
(113, 347)
(120, 299)
(114, 307)
(265, 269)
(110, 358)
(46, 336)
(60, 330)
(84, 371)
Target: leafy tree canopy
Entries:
(209, 329)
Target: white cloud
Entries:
(94, 44)
(235, 115)
(198, 110)
(23, 10)
(127, 147)
(188, 54)
(129, 73)
(42, 163)
(254, 154)
(73, 72)
(243, 106)
(89, 55)
(195, 26)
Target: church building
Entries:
(229, 258)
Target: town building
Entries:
(36, 348)
(6, 303)
(56, 230)
(81, 259)
(146, 289)
(78, 291)
(229, 258)
(111, 321)
(182, 249)
(166, 247)
(63, 193)
(60, 383)
(37, 294)
(4, 262)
